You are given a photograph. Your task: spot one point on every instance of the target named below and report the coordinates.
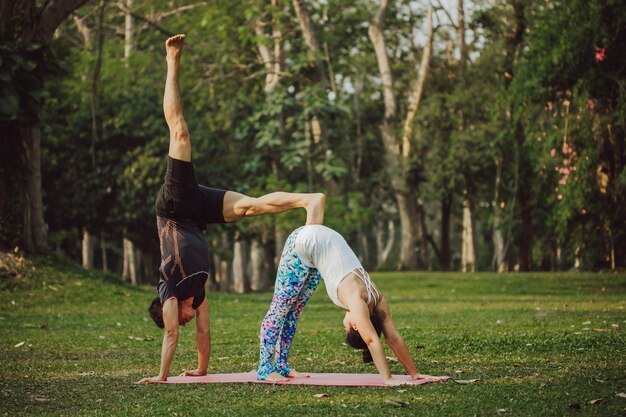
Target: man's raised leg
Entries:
(180, 145)
(239, 205)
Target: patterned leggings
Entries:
(295, 284)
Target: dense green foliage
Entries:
(530, 129)
(540, 344)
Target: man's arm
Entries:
(170, 339)
(203, 340)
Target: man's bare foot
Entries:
(295, 374)
(315, 208)
(174, 47)
(275, 377)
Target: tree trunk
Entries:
(129, 23)
(241, 283)
(88, 249)
(257, 265)
(103, 249)
(384, 249)
(131, 263)
(410, 222)
(468, 253)
(34, 234)
(499, 258)
(446, 209)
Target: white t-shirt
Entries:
(321, 247)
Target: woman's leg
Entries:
(290, 278)
(291, 321)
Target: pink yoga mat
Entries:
(337, 380)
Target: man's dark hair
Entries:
(354, 339)
(156, 312)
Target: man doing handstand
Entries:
(183, 210)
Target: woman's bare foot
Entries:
(295, 374)
(275, 377)
(315, 208)
(174, 47)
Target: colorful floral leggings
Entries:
(295, 284)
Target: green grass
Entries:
(523, 335)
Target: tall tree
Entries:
(27, 24)
(399, 152)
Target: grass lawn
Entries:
(75, 342)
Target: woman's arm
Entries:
(395, 341)
(361, 318)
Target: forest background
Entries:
(458, 135)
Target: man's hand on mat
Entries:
(153, 380)
(295, 374)
(275, 377)
(391, 382)
(195, 372)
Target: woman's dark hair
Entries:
(354, 339)
(156, 312)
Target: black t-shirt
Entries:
(185, 261)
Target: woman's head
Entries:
(354, 339)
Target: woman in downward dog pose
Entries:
(315, 252)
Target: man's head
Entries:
(354, 339)
(185, 312)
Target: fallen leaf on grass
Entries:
(140, 339)
(392, 359)
(42, 399)
(599, 380)
(465, 381)
(501, 410)
(320, 395)
(598, 330)
(401, 390)
(621, 394)
(615, 326)
(397, 403)
(88, 373)
(598, 401)
(19, 344)
(458, 371)
(586, 322)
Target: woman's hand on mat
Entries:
(153, 380)
(424, 376)
(391, 382)
(195, 372)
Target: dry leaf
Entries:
(501, 410)
(598, 401)
(397, 403)
(615, 326)
(598, 330)
(599, 380)
(465, 381)
(19, 344)
(587, 322)
(401, 390)
(392, 359)
(320, 395)
(458, 371)
(621, 394)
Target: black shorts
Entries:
(181, 198)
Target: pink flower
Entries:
(599, 54)
(553, 152)
(583, 211)
(591, 104)
(559, 197)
